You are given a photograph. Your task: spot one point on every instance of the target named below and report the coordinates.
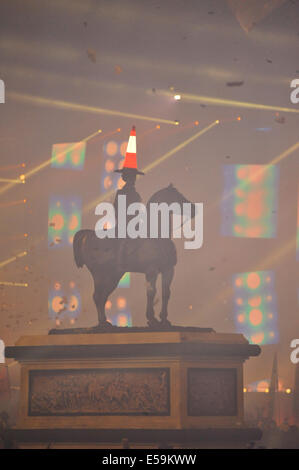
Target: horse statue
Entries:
(150, 256)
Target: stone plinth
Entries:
(140, 380)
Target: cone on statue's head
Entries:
(130, 162)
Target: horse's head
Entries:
(169, 195)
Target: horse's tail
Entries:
(79, 240)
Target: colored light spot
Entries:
(258, 338)
(109, 166)
(262, 386)
(71, 239)
(57, 286)
(111, 148)
(72, 284)
(108, 305)
(121, 303)
(57, 304)
(123, 148)
(76, 157)
(239, 301)
(270, 315)
(238, 229)
(241, 318)
(240, 209)
(256, 173)
(255, 317)
(73, 222)
(239, 282)
(57, 222)
(249, 201)
(254, 232)
(107, 182)
(242, 173)
(255, 301)
(60, 157)
(122, 320)
(253, 280)
(73, 303)
(239, 192)
(288, 391)
(254, 205)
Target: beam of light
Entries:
(13, 284)
(169, 131)
(12, 167)
(154, 164)
(231, 103)
(46, 163)
(168, 154)
(13, 181)
(20, 236)
(274, 161)
(148, 132)
(276, 255)
(284, 154)
(12, 203)
(39, 100)
(13, 258)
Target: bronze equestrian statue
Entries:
(108, 259)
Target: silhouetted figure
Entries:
(129, 174)
(128, 190)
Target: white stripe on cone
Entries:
(131, 144)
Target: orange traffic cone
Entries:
(130, 162)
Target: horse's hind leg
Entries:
(151, 278)
(167, 277)
(102, 289)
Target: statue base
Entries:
(157, 385)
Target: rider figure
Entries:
(129, 173)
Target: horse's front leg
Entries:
(151, 290)
(102, 289)
(167, 277)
